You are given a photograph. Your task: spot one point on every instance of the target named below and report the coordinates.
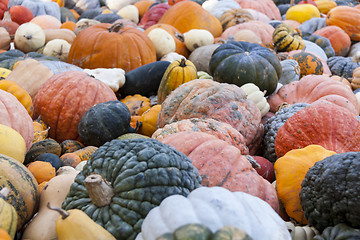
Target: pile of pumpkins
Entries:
(179, 119)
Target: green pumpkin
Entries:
(196, 231)
(240, 62)
(137, 174)
(340, 231)
(104, 122)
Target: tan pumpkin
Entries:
(46, 21)
(266, 7)
(62, 33)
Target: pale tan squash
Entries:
(62, 33)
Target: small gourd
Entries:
(129, 12)
(197, 38)
(58, 48)
(286, 38)
(29, 37)
(74, 224)
(163, 42)
(113, 77)
(254, 93)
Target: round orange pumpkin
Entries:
(338, 38)
(108, 45)
(64, 98)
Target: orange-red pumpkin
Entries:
(347, 18)
(338, 38)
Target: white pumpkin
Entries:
(163, 42)
(129, 12)
(254, 93)
(29, 37)
(197, 38)
(113, 77)
(215, 207)
(118, 4)
(57, 48)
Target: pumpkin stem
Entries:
(4, 192)
(182, 62)
(179, 36)
(116, 27)
(27, 36)
(64, 214)
(100, 191)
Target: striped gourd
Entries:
(24, 190)
(8, 215)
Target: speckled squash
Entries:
(137, 104)
(24, 192)
(204, 98)
(219, 129)
(322, 123)
(65, 98)
(309, 63)
(222, 164)
(307, 90)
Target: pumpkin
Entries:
(212, 206)
(272, 126)
(355, 82)
(47, 145)
(8, 24)
(14, 115)
(187, 15)
(221, 164)
(247, 36)
(343, 66)
(180, 47)
(3, 7)
(338, 38)
(12, 143)
(266, 7)
(38, 7)
(290, 171)
(309, 63)
(177, 73)
(306, 91)
(58, 48)
(322, 42)
(47, 21)
(290, 71)
(235, 16)
(143, 6)
(286, 39)
(24, 193)
(8, 219)
(153, 15)
(218, 8)
(125, 40)
(22, 96)
(315, 125)
(201, 56)
(253, 93)
(347, 18)
(229, 61)
(74, 158)
(141, 189)
(302, 12)
(195, 38)
(201, 98)
(5, 39)
(221, 130)
(338, 231)
(148, 120)
(325, 6)
(29, 37)
(72, 101)
(137, 104)
(112, 77)
(163, 42)
(103, 122)
(69, 146)
(323, 194)
(42, 171)
(261, 29)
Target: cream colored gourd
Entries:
(215, 207)
(173, 56)
(74, 224)
(12, 143)
(113, 77)
(129, 12)
(84, 23)
(42, 227)
(197, 38)
(62, 33)
(253, 92)
(57, 48)
(301, 232)
(29, 37)
(163, 42)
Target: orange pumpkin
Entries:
(148, 120)
(338, 38)
(187, 15)
(137, 104)
(347, 18)
(68, 25)
(42, 171)
(143, 6)
(308, 62)
(107, 45)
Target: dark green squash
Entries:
(144, 80)
(66, 15)
(197, 231)
(138, 174)
(47, 145)
(330, 191)
(310, 26)
(322, 42)
(342, 66)
(240, 62)
(104, 122)
(107, 17)
(340, 231)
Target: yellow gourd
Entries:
(8, 214)
(74, 224)
(12, 143)
(302, 12)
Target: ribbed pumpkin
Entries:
(338, 38)
(312, 88)
(134, 176)
(243, 62)
(180, 47)
(290, 171)
(286, 39)
(65, 98)
(221, 130)
(347, 18)
(24, 192)
(266, 7)
(235, 16)
(111, 46)
(204, 98)
(221, 164)
(321, 123)
(14, 115)
(177, 73)
(187, 15)
(21, 95)
(8, 214)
